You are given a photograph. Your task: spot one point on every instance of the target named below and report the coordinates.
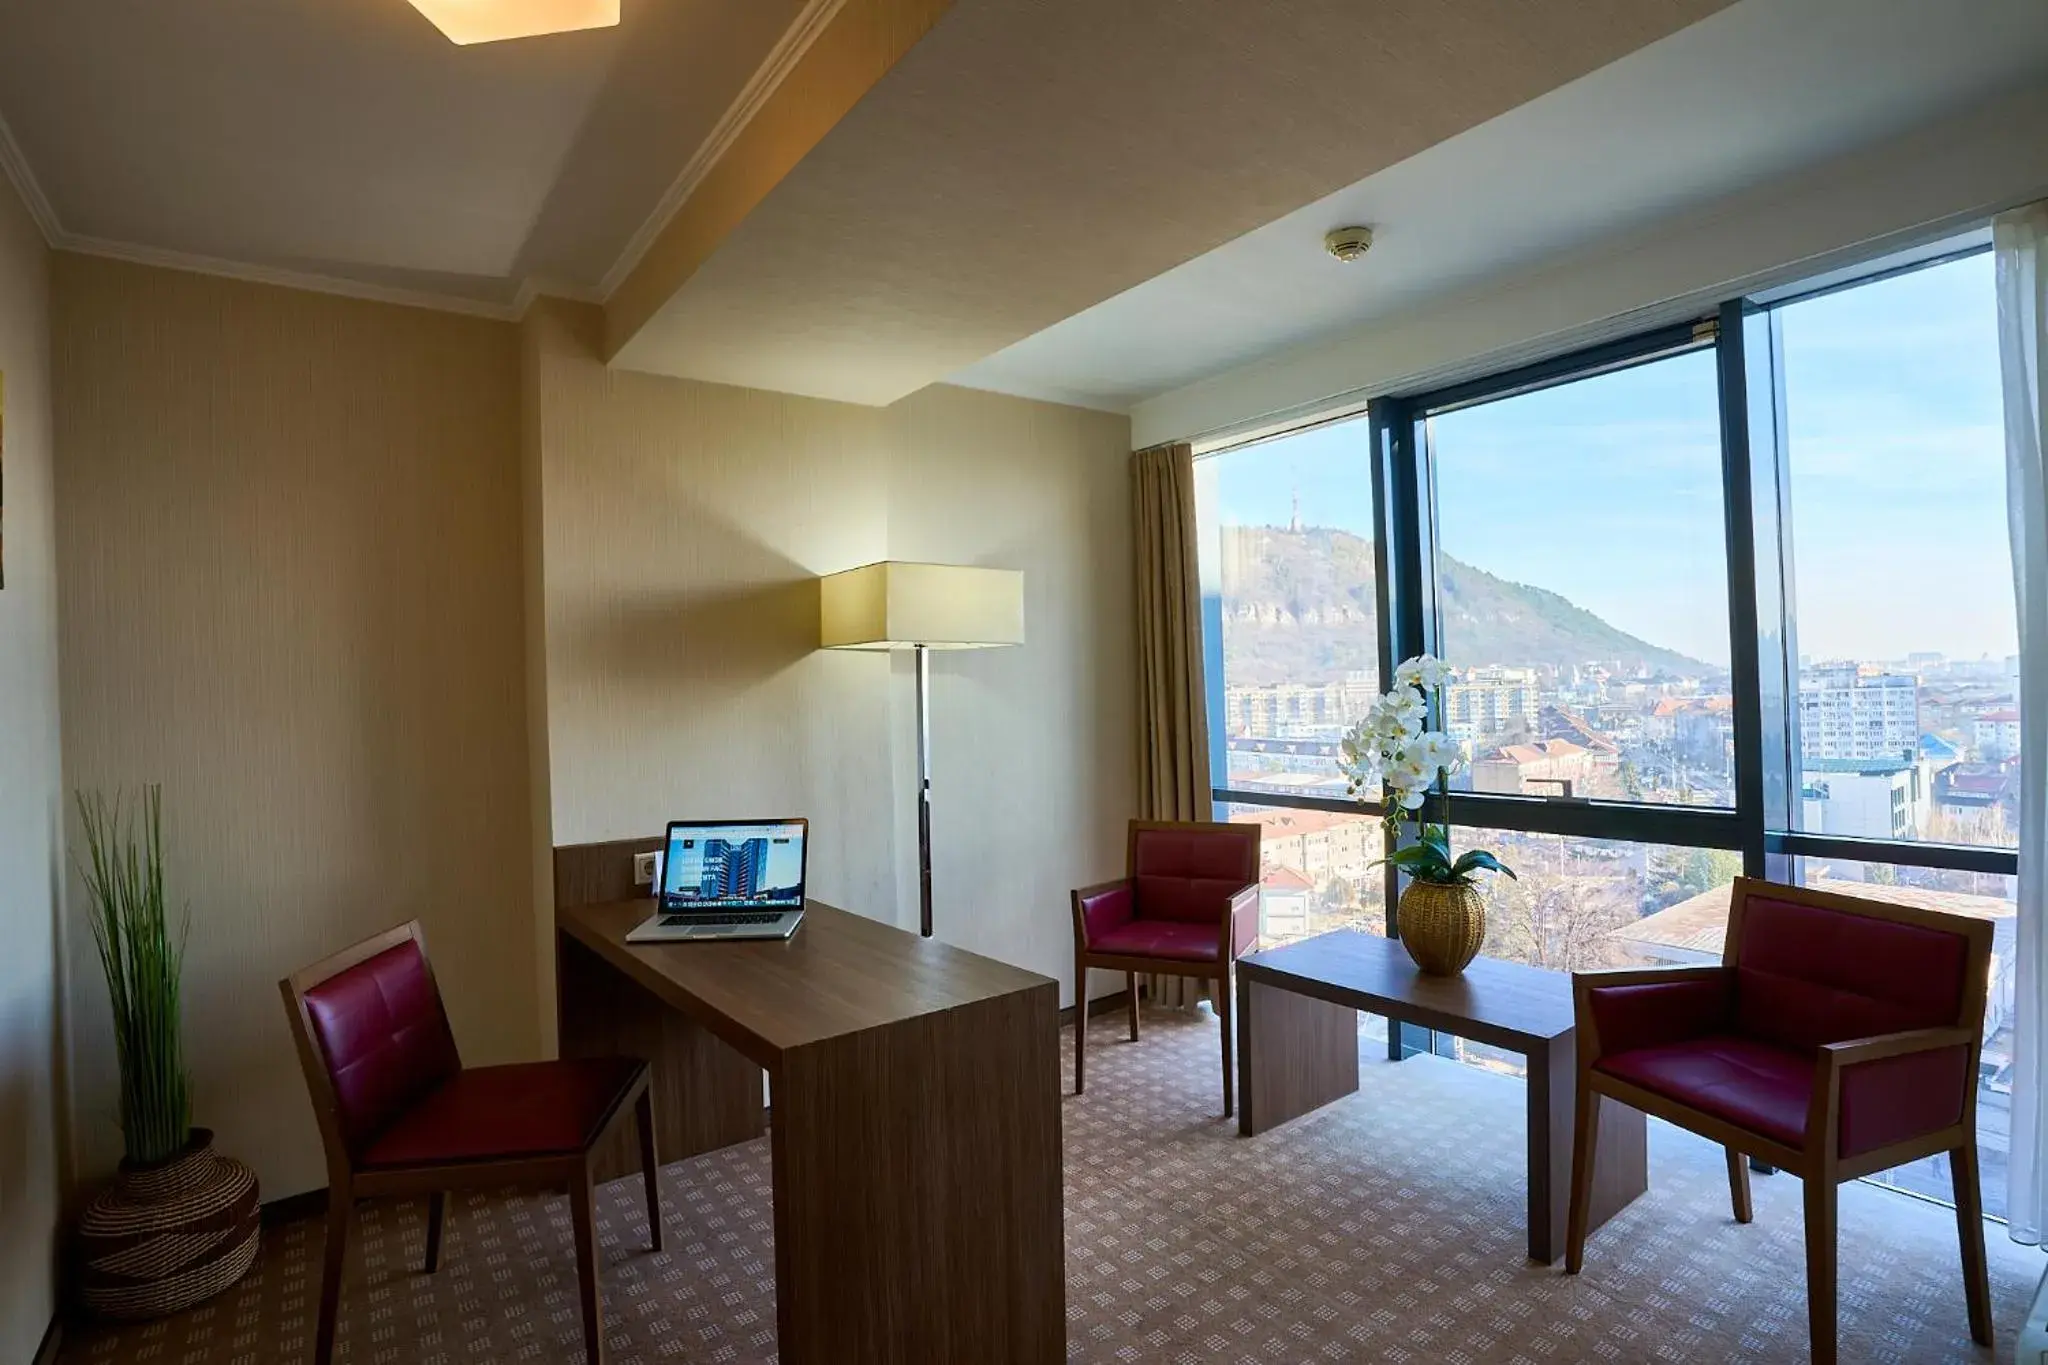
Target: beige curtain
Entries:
(1173, 724)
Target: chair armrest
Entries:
(1891, 1088)
(1102, 907)
(1621, 1011)
(1241, 924)
(1836, 1056)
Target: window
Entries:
(1581, 579)
(1907, 643)
(1316, 871)
(1577, 904)
(1975, 895)
(1289, 606)
(1732, 595)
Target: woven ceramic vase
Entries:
(164, 1237)
(1442, 926)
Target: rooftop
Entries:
(1699, 923)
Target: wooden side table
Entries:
(1297, 1050)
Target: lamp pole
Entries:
(924, 790)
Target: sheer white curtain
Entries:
(2020, 239)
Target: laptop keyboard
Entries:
(721, 921)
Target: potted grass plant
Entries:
(179, 1223)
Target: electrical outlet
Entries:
(643, 868)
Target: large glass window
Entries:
(1289, 601)
(1578, 904)
(1581, 578)
(1316, 871)
(1655, 690)
(1908, 667)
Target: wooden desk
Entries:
(1297, 1050)
(916, 1134)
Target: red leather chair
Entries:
(1838, 1037)
(1187, 906)
(400, 1115)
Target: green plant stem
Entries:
(143, 962)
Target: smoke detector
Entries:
(1348, 243)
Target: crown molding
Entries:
(14, 165)
(767, 78)
(309, 281)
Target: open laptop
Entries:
(728, 879)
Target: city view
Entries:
(1581, 583)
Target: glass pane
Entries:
(1576, 904)
(1976, 895)
(1582, 570)
(1906, 634)
(1289, 605)
(1316, 872)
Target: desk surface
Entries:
(1505, 1003)
(839, 974)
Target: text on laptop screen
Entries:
(726, 865)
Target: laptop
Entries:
(728, 879)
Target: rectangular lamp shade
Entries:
(893, 605)
(492, 21)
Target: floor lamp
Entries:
(921, 607)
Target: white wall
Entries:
(1938, 179)
(31, 795)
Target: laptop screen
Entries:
(737, 866)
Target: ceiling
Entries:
(1029, 158)
(347, 139)
(1761, 90)
(1066, 199)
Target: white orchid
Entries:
(1394, 745)
(1424, 672)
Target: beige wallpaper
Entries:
(1034, 750)
(31, 796)
(684, 525)
(291, 591)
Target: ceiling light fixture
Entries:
(1345, 243)
(493, 21)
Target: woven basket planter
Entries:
(164, 1237)
(1442, 926)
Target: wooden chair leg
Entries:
(1080, 1025)
(1131, 1001)
(1962, 1165)
(437, 1208)
(1738, 1186)
(1229, 1066)
(1585, 1147)
(584, 1216)
(1820, 1267)
(650, 1165)
(340, 1208)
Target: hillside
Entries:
(1299, 608)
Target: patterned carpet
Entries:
(1386, 1228)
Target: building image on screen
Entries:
(735, 865)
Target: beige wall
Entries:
(291, 585)
(1033, 750)
(684, 525)
(31, 796)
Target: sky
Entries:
(1608, 490)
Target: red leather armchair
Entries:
(400, 1115)
(1838, 1037)
(1187, 905)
